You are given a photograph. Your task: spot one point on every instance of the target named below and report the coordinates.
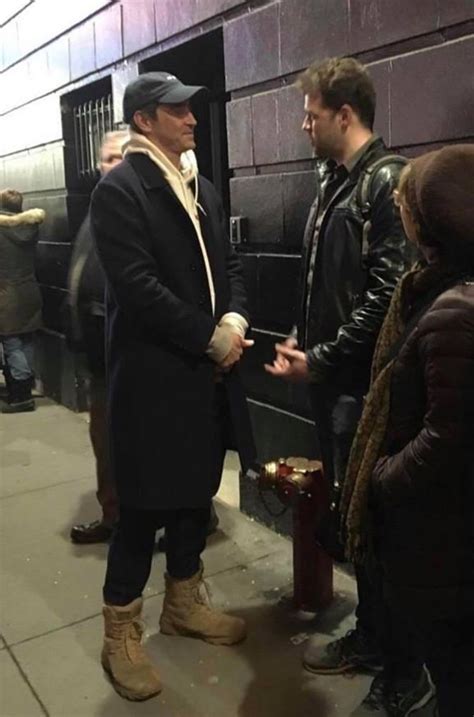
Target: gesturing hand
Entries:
(289, 363)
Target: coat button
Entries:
(192, 267)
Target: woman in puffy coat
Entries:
(409, 498)
(20, 297)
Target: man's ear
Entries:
(346, 114)
(142, 121)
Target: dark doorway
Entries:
(201, 62)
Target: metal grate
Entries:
(92, 119)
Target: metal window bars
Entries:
(92, 119)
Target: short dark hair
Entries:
(11, 201)
(149, 110)
(341, 81)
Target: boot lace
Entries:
(133, 644)
(127, 637)
(202, 593)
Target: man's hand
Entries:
(280, 360)
(289, 363)
(238, 347)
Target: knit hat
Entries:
(444, 189)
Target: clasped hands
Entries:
(238, 346)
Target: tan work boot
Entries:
(132, 673)
(186, 611)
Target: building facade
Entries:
(64, 69)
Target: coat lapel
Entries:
(153, 178)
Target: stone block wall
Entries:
(420, 56)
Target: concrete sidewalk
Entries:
(51, 622)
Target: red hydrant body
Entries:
(301, 484)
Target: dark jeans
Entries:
(18, 354)
(336, 415)
(131, 551)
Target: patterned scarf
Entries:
(356, 524)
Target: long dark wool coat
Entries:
(166, 444)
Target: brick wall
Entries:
(420, 55)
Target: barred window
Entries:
(92, 119)
(87, 115)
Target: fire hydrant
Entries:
(300, 483)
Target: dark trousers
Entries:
(448, 649)
(131, 550)
(336, 415)
(387, 626)
(106, 492)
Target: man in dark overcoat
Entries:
(176, 327)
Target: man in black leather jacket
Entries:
(352, 258)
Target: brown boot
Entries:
(186, 611)
(132, 673)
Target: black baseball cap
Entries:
(155, 87)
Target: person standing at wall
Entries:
(176, 324)
(86, 334)
(354, 252)
(20, 298)
(409, 492)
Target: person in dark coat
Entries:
(176, 324)
(20, 297)
(86, 333)
(409, 497)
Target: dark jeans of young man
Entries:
(336, 415)
(131, 551)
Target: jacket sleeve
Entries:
(124, 249)
(386, 261)
(446, 352)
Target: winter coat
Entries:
(20, 297)
(350, 291)
(424, 485)
(162, 386)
